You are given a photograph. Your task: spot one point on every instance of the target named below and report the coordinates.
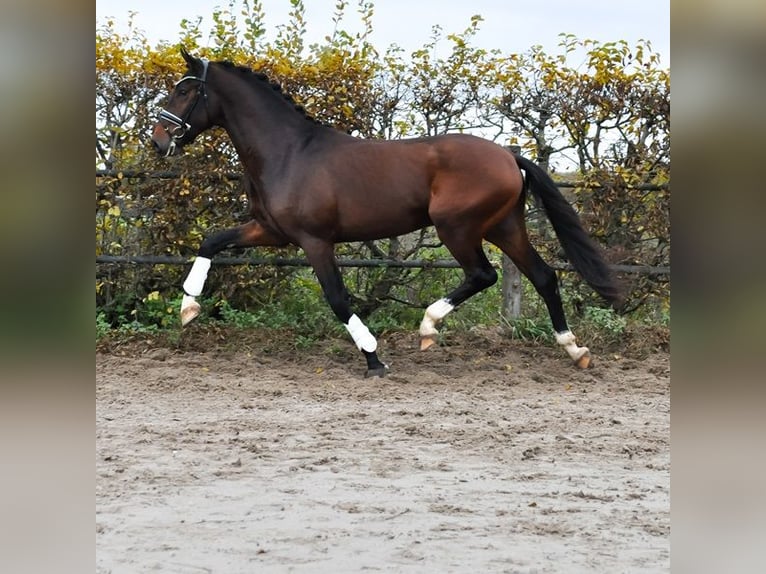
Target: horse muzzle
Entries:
(164, 143)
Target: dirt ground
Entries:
(483, 455)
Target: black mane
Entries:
(264, 79)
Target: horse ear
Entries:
(190, 60)
(195, 65)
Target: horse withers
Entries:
(313, 186)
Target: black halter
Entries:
(182, 125)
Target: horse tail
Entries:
(582, 251)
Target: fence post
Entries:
(511, 286)
(511, 281)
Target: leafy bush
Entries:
(604, 323)
(102, 326)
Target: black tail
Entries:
(583, 253)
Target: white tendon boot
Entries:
(364, 340)
(193, 285)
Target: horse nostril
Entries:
(157, 147)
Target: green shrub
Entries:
(530, 329)
(103, 328)
(603, 326)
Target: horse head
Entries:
(187, 112)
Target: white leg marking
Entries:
(567, 340)
(435, 313)
(195, 281)
(361, 334)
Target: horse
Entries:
(311, 185)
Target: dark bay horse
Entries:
(314, 186)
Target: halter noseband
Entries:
(182, 125)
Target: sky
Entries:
(511, 26)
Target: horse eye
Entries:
(183, 91)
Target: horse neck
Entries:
(264, 127)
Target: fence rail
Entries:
(301, 262)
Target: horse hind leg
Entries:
(479, 274)
(512, 239)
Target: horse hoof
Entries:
(188, 314)
(427, 341)
(584, 361)
(376, 372)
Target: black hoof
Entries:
(376, 372)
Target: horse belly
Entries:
(380, 220)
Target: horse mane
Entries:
(275, 86)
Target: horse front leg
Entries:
(322, 259)
(251, 234)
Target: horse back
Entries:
(356, 190)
